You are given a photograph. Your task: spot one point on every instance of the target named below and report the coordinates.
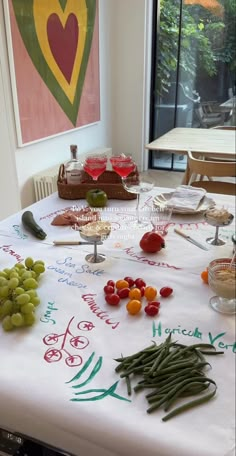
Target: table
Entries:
(228, 106)
(77, 336)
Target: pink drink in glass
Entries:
(94, 169)
(123, 168)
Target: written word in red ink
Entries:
(7, 249)
(53, 355)
(103, 315)
(130, 251)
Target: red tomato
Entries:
(112, 299)
(130, 281)
(108, 289)
(111, 282)
(152, 242)
(140, 283)
(154, 303)
(166, 291)
(123, 293)
(142, 289)
(151, 310)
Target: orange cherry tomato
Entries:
(204, 276)
(122, 284)
(135, 293)
(133, 306)
(150, 293)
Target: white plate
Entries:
(163, 198)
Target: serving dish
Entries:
(163, 198)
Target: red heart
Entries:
(63, 42)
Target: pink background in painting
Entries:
(40, 114)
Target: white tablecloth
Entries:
(75, 328)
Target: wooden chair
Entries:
(197, 166)
(225, 127)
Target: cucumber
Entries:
(31, 225)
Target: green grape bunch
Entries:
(18, 295)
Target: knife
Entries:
(185, 236)
(75, 243)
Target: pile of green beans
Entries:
(169, 371)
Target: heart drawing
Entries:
(57, 35)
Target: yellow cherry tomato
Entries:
(135, 293)
(204, 276)
(150, 293)
(133, 306)
(122, 284)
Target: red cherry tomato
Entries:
(112, 299)
(108, 289)
(140, 283)
(154, 303)
(123, 293)
(130, 281)
(166, 291)
(142, 289)
(111, 282)
(151, 310)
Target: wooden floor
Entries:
(169, 179)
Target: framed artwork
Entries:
(53, 48)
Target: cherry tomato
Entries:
(150, 293)
(204, 276)
(108, 289)
(134, 306)
(140, 283)
(130, 281)
(154, 303)
(122, 284)
(112, 299)
(111, 282)
(166, 291)
(151, 310)
(142, 289)
(135, 293)
(123, 293)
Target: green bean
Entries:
(128, 384)
(189, 405)
(211, 353)
(181, 390)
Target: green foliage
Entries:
(206, 39)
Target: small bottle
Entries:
(73, 168)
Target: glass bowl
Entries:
(222, 280)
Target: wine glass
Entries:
(123, 165)
(95, 233)
(95, 165)
(139, 184)
(222, 280)
(160, 217)
(217, 217)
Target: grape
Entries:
(18, 295)
(29, 319)
(38, 268)
(17, 319)
(19, 290)
(13, 283)
(23, 299)
(7, 323)
(29, 262)
(30, 283)
(27, 308)
(35, 301)
(4, 291)
(32, 294)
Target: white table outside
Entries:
(37, 394)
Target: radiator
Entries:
(45, 182)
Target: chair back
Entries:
(222, 169)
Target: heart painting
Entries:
(57, 36)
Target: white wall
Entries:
(122, 80)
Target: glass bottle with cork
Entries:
(74, 167)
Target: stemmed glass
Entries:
(218, 218)
(95, 165)
(222, 280)
(123, 165)
(160, 217)
(139, 184)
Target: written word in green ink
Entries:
(47, 318)
(92, 393)
(196, 333)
